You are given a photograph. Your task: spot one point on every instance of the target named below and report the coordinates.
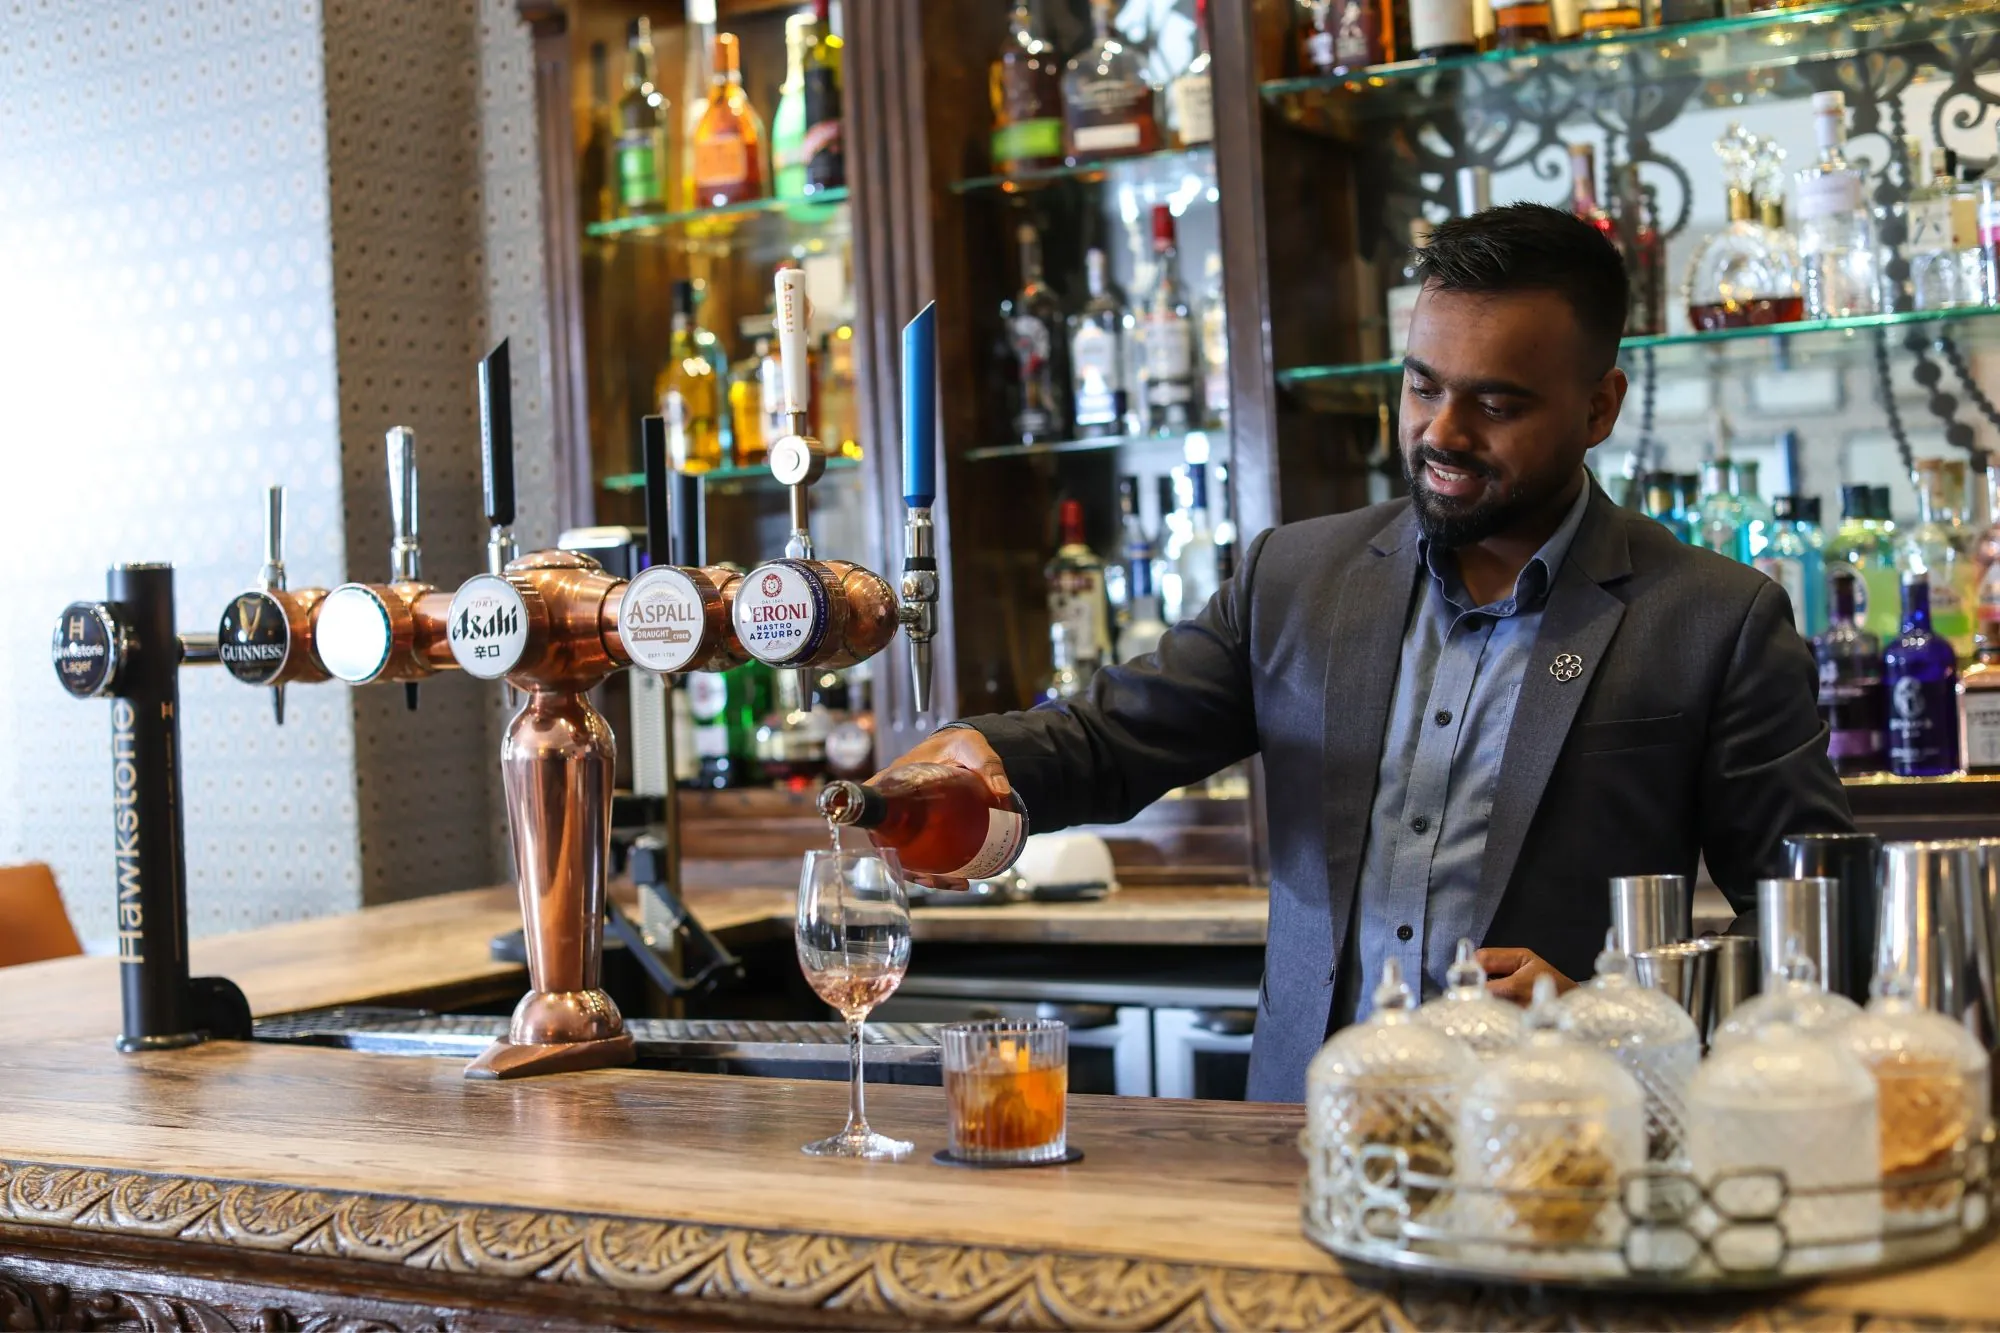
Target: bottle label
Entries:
(1922, 735)
(1115, 138)
(1005, 832)
(1402, 309)
(1169, 357)
(1215, 356)
(661, 619)
(1989, 220)
(1319, 49)
(781, 612)
(638, 172)
(1438, 24)
(1356, 44)
(1033, 346)
(1930, 225)
(1077, 603)
(1951, 610)
(711, 741)
(708, 696)
(1027, 141)
(720, 163)
(1790, 575)
(1830, 194)
(1191, 104)
(1110, 116)
(1981, 716)
(1100, 388)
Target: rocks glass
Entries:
(1006, 1086)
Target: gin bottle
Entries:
(1940, 547)
(1790, 561)
(1921, 673)
(1836, 235)
(1851, 698)
(1719, 522)
(1097, 353)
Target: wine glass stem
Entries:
(857, 1113)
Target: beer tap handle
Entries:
(690, 530)
(796, 460)
(919, 609)
(406, 552)
(659, 521)
(496, 442)
(272, 576)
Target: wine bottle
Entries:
(939, 819)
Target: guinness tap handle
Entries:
(496, 442)
(406, 560)
(272, 575)
(659, 519)
(690, 531)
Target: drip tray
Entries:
(897, 1052)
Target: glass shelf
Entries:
(1199, 160)
(1091, 445)
(1771, 346)
(814, 209)
(733, 477)
(1715, 62)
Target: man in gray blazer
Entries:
(1474, 706)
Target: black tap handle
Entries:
(496, 434)
(690, 522)
(653, 458)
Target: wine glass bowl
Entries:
(853, 933)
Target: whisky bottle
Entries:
(1191, 95)
(1097, 351)
(729, 142)
(1025, 85)
(825, 154)
(1921, 672)
(1107, 103)
(1168, 336)
(1345, 36)
(1033, 322)
(697, 76)
(641, 150)
(1442, 28)
(939, 819)
(687, 393)
(1851, 698)
(1077, 603)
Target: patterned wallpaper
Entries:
(294, 226)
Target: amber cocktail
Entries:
(1006, 1083)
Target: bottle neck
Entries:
(1031, 261)
(852, 804)
(1917, 606)
(1582, 185)
(1843, 602)
(1100, 21)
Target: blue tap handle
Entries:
(920, 409)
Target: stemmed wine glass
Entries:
(854, 946)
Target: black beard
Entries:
(1451, 523)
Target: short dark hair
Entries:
(1535, 248)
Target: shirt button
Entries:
(1420, 824)
(1444, 717)
(1404, 933)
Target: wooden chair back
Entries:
(33, 923)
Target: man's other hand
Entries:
(1511, 973)
(964, 747)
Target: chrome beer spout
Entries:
(395, 631)
(918, 613)
(266, 633)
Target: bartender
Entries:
(1475, 705)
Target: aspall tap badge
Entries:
(661, 619)
(781, 613)
(85, 649)
(487, 627)
(255, 638)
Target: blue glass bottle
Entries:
(1793, 562)
(1921, 673)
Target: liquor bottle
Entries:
(1107, 103)
(1168, 334)
(1757, 518)
(729, 143)
(1143, 626)
(1195, 555)
(1836, 234)
(1940, 238)
(697, 76)
(1790, 561)
(1097, 352)
(1941, 547)
(1518, 23)
(1214, 354)
(1783, 289)
(1034, 325)
(1475, 190)
(850, 742)
(825, 149)
(1986, 551)
(1075, 581)
(1736, 277)
(1661, 503)
(1852, 700)
(1687, 503)
(687, 393)
(1225, 527)
(940, 819)
(1067, 677)
(1645, 253)
(748, 447)
(1167, 539)
(1401, 301)
(788, 122)
(1026, 90)
(1191, 95)
(641, 149)
(791, 744)
(1884, 578)
(595, 168)
(1583, 194)
(725, 707)
(1442, 28)
(1989, 232)
(1921, 673)
(1979, 709)
(1719, 523)
(1605, 18)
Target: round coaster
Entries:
(945, 1157)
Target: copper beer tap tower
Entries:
(553, 624)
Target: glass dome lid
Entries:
(1390, 1046)
(1794, 997)
(1468, 1012)
(1614, 1011)
(1778, 1061)
(1548, 1074)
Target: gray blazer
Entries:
(1692, 730)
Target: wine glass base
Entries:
(862, 1143)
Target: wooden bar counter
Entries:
(281, 1187)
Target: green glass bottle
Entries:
(725, 707)
(788, 126)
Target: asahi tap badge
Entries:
(781, 612)
(662, 619)
(488, 627)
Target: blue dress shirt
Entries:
(1456, 683)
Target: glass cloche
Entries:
(1796, 995)
(1380, 1087)
(1468, 1012)
(1932, 1096)
(1547, 1132)
(1796, 1104)
(1645, 1031)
